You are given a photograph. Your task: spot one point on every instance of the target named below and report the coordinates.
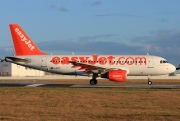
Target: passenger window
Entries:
(161, 61)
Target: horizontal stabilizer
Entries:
(17, 60)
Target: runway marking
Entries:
(34, 85)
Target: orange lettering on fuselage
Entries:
(94, 61)
(83, 59)
(55, 60)
(140, 59)
(65, 60)
(130, 60)
(110, 59)
(121, 61)
(74, 59)
(102, 60)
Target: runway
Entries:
(53, 85)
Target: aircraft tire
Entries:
(149, 82)
(93, 81)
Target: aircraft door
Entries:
(43, 62)
(150, 63)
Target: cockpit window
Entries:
(163, 61)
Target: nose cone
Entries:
(172, 68)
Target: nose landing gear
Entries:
(149, 80)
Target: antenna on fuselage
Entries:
(72, 53)
(147, 53)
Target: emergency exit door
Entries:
(43, 61)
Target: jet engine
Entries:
(115, 75)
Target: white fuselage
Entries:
(135, 65)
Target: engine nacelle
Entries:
(115, 75)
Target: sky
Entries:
(115, 27)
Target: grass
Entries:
(110, 104)
(99, 104)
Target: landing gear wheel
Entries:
(149, 82)
(93, 81)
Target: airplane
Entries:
(113, 67)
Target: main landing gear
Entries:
(93, 81)
(149, 80)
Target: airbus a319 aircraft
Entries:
(113, 67)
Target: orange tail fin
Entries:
(22, 43)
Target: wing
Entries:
(88, 68)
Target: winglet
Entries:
(22, 43)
